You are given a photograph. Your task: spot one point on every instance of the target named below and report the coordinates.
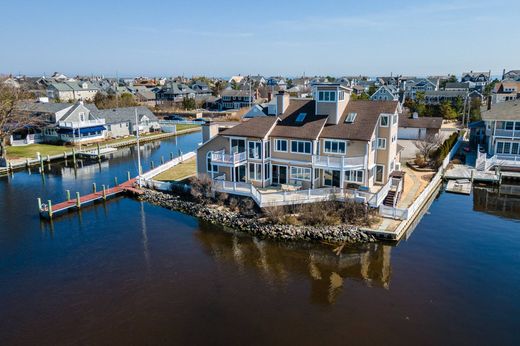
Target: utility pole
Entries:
(250, 96)
(139, 170)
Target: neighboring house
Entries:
(11, 82)
(451, 96)
(476, 80)
(502, 136)
(413, 86)
(257, 110)
(144, 96)
(72, 91)
(79, 124)
(415, 127)
(321, 143)
(504, 91)
(201, 88)
(122, 121)
(386, 93)
(511, 75)
(174, 92)
(235, 99)
(457, 86)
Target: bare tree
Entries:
(427, 145)
(11, 119)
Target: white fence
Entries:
(407, 213)
(159, 169)
(277, 198)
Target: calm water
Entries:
(131, 273)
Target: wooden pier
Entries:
(49, 210)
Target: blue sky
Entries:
(223, 38)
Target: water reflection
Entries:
(277, 262)
(503, 200)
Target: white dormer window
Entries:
(327, 96)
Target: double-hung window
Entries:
(381, 143)
(301, 147)
(280, 145)
(334, 147)
(255, 150)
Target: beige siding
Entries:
(215, 144)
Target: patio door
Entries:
(240, 174)
(279, 174)
(331, 178)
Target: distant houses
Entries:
(386, 93)
(72, 91)
(476, 80)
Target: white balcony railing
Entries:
(507, 133)
(221, 157)
(80, 124)
(338, 162)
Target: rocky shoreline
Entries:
(253, 226)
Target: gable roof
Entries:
(420, 122)
(308, 128)
(509, 110)
(125, 114)
(363, 127)
(256, 127)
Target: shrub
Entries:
(233, 204)
(221, 198)
(201, 188)
(275, 214)
(420, 161)
(247, 206)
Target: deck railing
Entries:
(326, 161)
(223, 158)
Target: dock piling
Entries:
(128, 175)
(94, 188)
(49, 206)
(68, 195)
(115, 181)
(152, 164)
(104, 192)
(39, 204)
(171, 156)
(78, 200)
(162, 160)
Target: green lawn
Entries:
(182, 170)
(29, 151)
(181, 127)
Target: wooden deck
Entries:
(49, 210)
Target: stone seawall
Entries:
(253, 226)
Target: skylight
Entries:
(351, 117)
(301, 117)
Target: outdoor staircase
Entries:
(390, 198)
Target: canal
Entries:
(131, 273)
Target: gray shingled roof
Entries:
(509, 110)
(118, 115)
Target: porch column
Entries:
(342, 178)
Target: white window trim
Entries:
(381, 120)
(336, 141)
(248, 171)
(302, 169)
(276, 145)
(298, 152)
(355, 173)
(329, 92)
(375, 174)
(381, 147)
(259, 143)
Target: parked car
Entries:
(175, 117)
(200, 120)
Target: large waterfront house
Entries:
(502, 136)
(307, 146)
(413, 86)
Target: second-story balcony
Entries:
(338, 162)
(507, 133)
(221, 158)
(81, 124)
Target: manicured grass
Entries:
(181, 127)
(29, 151)
(182, 170)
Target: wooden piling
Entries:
(104, 192)
(162, 160)
(78, 200)
(94, 187)
(152, 164)
(171, 156)
(74, 156)
(128, 175)
(39, 204)
(115, 181)
(68, 194)
(49, 205)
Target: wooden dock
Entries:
(462, 186)
(49, 210)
